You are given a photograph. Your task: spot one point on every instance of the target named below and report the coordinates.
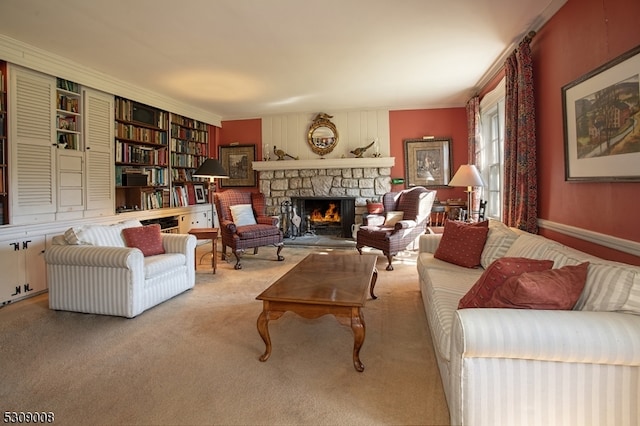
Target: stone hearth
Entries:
(362, 184)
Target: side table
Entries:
(208, 234)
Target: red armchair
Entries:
(415, 204)
(262, 232)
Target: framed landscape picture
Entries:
(237, 161)
(427, 162)
(602, 122)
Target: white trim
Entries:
(336, 163)
(626, 246)
(23, 54)
(490, 99)
(552, 9)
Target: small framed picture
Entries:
(199, 191)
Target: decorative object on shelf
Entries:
(601, 140)
(199, 192)
(266, 155)
(427, 162)
(236, 160)
(469, 176)
(358, 152)
(323, 135)
(281, 154)
(376, 148)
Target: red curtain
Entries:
(520, 176)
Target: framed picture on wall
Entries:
(602, 122)
(427, 162)
(237, 161)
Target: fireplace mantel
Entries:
(327, 163)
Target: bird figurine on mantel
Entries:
(358, 152)
(281, 154)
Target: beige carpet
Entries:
(194, 359)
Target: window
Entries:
(490, 150)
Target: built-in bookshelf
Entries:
(189, 149)
(141, 156)
(68, 115)
(4, 160)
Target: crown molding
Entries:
(23, 54)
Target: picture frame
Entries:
(237, 161)
(200, 195)
(601, 117)
(427, 162)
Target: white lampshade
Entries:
(467, 175)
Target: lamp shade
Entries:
(211, 168)
(467, 175)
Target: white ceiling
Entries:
(251, 58)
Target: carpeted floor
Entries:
(194, 359)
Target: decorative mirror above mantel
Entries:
(323, 135)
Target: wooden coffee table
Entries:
(322, 284)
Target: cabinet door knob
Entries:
(25, 244)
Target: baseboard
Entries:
(620, 244)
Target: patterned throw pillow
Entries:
(495, 275)
(146, 238)
(550, 289)
(462, 243)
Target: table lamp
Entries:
(212, 169)
(469, 176)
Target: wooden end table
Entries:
(322, 284)
(208, 234)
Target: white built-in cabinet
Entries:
(197, 219)
(23, 268)
(98, 131)
(32, 145)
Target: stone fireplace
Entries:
(353, 179)
(325, 215)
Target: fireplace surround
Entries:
(283, 181)
(325, 215)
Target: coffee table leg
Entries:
(263, 329)
(374, 278)
(358, 327)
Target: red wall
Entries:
(244, 132)
(414, 124)
(582, 36)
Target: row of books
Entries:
(67, 85)
(155, 176)
(186, 175)
(188, 122)
(132, 153)
(124, 110)
(189, 134)
(67, 103)
(140, 134)
(182, 196)
(152, 199)
(188, 147)
(186, 160)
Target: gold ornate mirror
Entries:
(323, 135)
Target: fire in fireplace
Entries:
(326, 216)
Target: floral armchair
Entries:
(405, 218)
(244, 223)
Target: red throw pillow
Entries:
(552, 289)
(462, 243)
(146, 238)
(495, 275)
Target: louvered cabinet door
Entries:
(100, 181)
(32, 139)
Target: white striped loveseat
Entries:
(535, 367)
(89, 269)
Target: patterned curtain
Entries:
(520, 176)
(473, 134)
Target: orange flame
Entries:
(331, 215)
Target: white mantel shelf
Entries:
(327, 163)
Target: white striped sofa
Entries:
(100, 275)
(535, 367)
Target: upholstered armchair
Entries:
(244, 223)
(405, 218)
